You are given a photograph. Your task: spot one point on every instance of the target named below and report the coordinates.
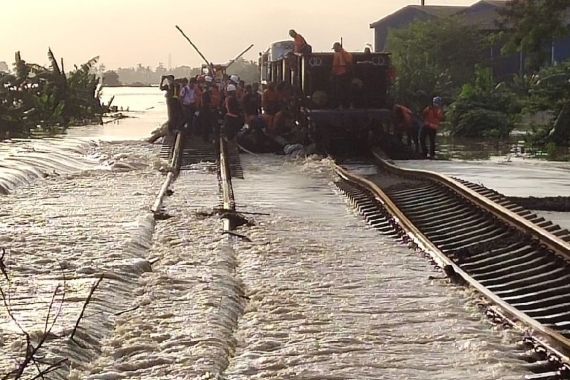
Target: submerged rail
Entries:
(174, 166)
(518, 266)
(225, 178)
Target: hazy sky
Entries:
(127, 32)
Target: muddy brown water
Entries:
(316, 294)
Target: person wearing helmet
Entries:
(301, 45)
(233, 121)
(433, 116)
(234, 79)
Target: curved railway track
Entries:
(518, 261)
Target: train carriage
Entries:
(331, 125)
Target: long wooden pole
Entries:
(194, 46)
(239, 56)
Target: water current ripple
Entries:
(339, 301)
(316, 294)
(71, 228)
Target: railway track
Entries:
(186, 153)
(519, 262)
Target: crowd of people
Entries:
(263, 117)
(267, 120)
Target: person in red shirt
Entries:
(433, 116)
(405, 122)
(233, 119)
(301, 45)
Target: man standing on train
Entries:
(301, 45)
(340, 75)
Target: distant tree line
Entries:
(48, 98)
(146, 76)
(450, 59)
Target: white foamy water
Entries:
(315, 295)
(330, 298)
(68, 229)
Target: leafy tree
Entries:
(551, 92)
(47, 96)
(4, 67)
(531, 27)
(248, 71)
(111, 79)
(434, 57)
(483, 109)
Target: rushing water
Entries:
(315, 294)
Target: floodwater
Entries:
(510, 176)
(315, 294)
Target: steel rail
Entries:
(171, 176)
(228, 202)
(551, 241)
(556, 342)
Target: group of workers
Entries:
(203, 101)
(270, 114)
(419, 129)
(340, 71)
(204, 105)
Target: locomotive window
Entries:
(378, 61)
(315, 61)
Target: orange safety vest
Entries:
(433, 116)
(342, 60)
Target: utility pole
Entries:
(423, 3)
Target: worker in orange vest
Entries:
(340, 75)
(405, 122)
(433, 116)
(301, 45)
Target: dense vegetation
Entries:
(529, 26)
(440, 58)
(34, 96)
(433, 58)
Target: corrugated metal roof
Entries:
(432, 10)
(438, 10)
(482, 20)
(482, 14)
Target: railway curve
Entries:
(516, 260)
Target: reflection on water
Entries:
(473, 149)
(457, 148)
(147, 112)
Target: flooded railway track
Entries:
(518, 261)
(182, 152)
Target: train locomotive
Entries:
(332, 126)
